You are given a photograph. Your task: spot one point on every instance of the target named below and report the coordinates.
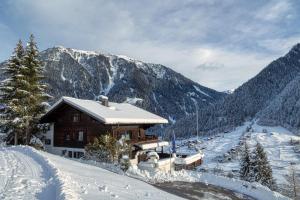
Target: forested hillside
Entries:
(271, 96)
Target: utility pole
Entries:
(197, 122)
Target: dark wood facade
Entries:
(74, 128)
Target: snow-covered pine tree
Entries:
(261, 168)
(35, 100)
(11, 95)
(245, 164)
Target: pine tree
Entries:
(35, 97)
(245, 170)
(11, 95)
(262, 168)
(294, 183)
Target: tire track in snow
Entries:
(7, 171)
(24, 175)
(56, 184)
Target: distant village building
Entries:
(76, 122)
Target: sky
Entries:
(217, 43)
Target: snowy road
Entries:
(26, 173)
(200, 191)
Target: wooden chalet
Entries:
(76, 122)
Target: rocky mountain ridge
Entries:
(154, 87)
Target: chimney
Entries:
(104, 100)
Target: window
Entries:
(70, 154)
(80, 136)
(127, 135)
(47, 141)
(78, 154)
(76, 117)
(67, 137)
(63, 152)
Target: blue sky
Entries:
(218, 43)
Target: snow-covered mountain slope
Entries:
(87, 74)
(284, 110)
(29, 174)
(275, 86)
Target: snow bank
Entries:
(254, 190)
(59, 179)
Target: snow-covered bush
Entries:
(102, 149)
(36, 143)
(124, 163)
(218, 170)
(230, 175)
(108, 149)
(2, 139)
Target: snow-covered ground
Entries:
(279, 150)
(222, 150)
(254, 190)
(214, 148)
(26, 173)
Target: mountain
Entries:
(272, 97)
(154, 87)
(284, 110)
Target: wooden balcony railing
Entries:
(146, 139)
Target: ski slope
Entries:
(26, 173)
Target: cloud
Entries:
(280, 45)
(209, 66)
(275, 10)
(219, 44)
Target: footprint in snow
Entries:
(115, 196)
(103, 188)
(147, 194)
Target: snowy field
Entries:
(222, 150)
(29, 174)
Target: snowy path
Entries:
(90, 182)
(23, 177)
(200, 191)
(26, 173)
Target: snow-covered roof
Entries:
(115, 113)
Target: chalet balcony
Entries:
(146, 139)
